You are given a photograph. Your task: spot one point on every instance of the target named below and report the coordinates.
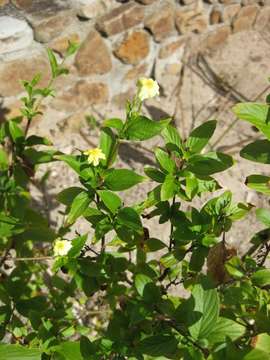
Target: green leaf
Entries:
(37, 140)
(72, 48)
(263, 342)
(141, 281)
(234, 267)
(87, 348)
(165, 162)
(153, 244)
(154, 174)
(108, 145)
(69, 350)
(129, 217)
(191, 186)
(258, 151)
(71, 160)
(78, 206)
(122, 179)
(209, 163)
(259, 183)
(238, 211)
(264, 216)
(3, 160)
(255, 354)
(225, 328)
(114, 123)
(15, 132)
(111, 200)
(171, 136)
(53, 63)
(168, 188)
(39, 157)
(207, 306)
(220, 204)
(200, 136)
(158, 345)
(141, 128)
(77, 245)
(67, 196)
(39, 233)
(16, 352)
(255, 114)
(261, 278)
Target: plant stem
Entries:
(171, 231)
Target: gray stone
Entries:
(15, 34)
(89, 9)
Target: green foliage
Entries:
(51, 273)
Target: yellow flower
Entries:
(61, 247)
(94, 155)
(147, 88)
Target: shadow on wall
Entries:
(3, 111)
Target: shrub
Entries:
(43, 312)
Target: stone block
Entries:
(161, 22)
(52, 27)
(217, 37)
(93, 56)
(230, 12)
(22, 69)
(81, 95)
(245, 18)
(15, 34)
(134, 48)
(120, 19)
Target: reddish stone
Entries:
(134, 48)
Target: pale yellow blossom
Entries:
(94, 156)
(61, 247)
(147, 88)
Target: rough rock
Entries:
(262, 19)
(93, 56)
(215, 16)
(161, 22)
(15, 34)
(134, 48)
(120, 19)
(81, 95)
(217, 37)
(136, 72)
(121, 99)
(230, 11)
(22, 4)
(168, 69)
(168, 49)
(50, 28)
(89, 9)
(191, 19)
(4, 2)
(245, 18)
(40, 9)
(22, 69)
(242, 61)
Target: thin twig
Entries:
(171, 230)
